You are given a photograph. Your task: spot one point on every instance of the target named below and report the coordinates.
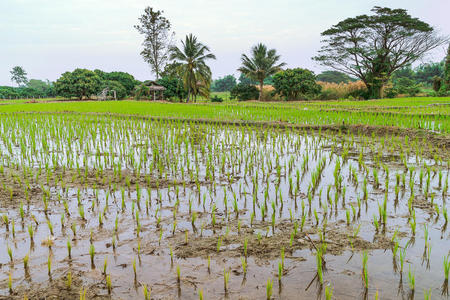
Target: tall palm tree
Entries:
(262, 64)
(195, 73)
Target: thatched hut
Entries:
(151, 89)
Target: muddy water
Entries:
(252, 182)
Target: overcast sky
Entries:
(49, 37)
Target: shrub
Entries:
(405, 85)
(216, 98)
(294, 84)
(334, 91)
(244, 92)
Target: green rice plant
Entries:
(402, 256)
(375, 222)
(446, 267)
(226, 278)
(200, 294)
(10, 254)
(69, 280)
(328, 292)
(365, 271)
(31, 232)
(25, 262)
(427, 294)
(245, 247)
(411, 279)
(269, 286)
(280, 271)
(319, 260)
(209, 263)
(10, 283)
(49, 265)
(108, 284)
(219, 243)
(69, 248)
(244, 266)
(134, 269)
(92, 254)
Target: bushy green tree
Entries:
(174, 87)
(125, 79)
(293, 84)
(224, 84)
(405, 85)
(334, 77)
(113, 85)
(244, 92)
(79, 83)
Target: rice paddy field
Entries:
(302, 200)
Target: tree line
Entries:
(376, 49)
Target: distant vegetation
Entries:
(359, 69)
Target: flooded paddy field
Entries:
(128, 208)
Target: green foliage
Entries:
(174, 87)
(262, 63)
(225, 84)
(157, 39)
(192, 67)
(244, 92)
(216, 98)
(353, 45)
(19, 76)
(121, 92)
(79, 83)
(334, 76)
(445, 88)
(405, 85)
(295, 84)
(437, 83)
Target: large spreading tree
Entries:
(261, 64)
(158, 39)
(372, 47)
(190, 61)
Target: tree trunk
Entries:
(375, 90)
(188, 95)
(261, 84)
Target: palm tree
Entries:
(193, 70)
(262, 64)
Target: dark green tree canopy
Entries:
(372, 47)
(224, 84)
(244, 92)
(125, 79)
(79, 83)
(113, 85)
(334, 77)
(19, 76)
(294, 84)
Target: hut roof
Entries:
(153, 86)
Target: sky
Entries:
(50, 37)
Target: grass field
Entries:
(417, 113)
